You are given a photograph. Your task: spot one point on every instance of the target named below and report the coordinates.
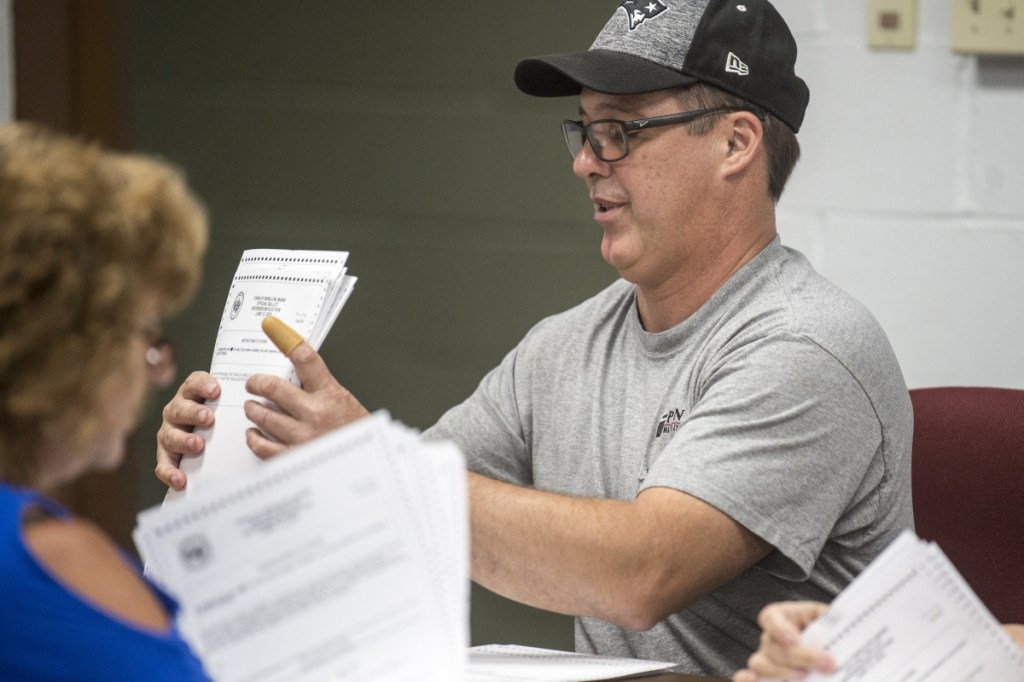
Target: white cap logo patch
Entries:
(639, 11)
(734, 64)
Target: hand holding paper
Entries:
(292, 413)
(911, 616)
(306, 288)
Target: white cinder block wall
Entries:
(910, 190)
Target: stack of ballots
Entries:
(345, 558)
(306, 290)
(911, 616)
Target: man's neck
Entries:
(666, 305)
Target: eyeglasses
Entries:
(609, 138)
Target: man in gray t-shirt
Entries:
(778, 402)
(719, 429)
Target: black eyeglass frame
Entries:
(572, 128)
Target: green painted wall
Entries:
(393, 131)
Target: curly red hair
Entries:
(86, 235)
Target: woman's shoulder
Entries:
(88, 562)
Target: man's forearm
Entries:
(630, 563)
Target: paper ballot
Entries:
(515, 663)
(911, 617)
(306, 290)
(345, 559)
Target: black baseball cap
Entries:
(741, 46)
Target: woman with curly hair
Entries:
(95, 248)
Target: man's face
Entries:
(652, 205)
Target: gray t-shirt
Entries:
(779, 402)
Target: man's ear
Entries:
(744, 135)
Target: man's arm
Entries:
(629, 563)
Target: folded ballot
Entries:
(304, 289)
(346, 558)
(910, 616)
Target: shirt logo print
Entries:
(670, 422)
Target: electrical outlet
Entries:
(994, 27)
(892, 23)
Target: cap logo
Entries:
(639, 11)
(734, 64)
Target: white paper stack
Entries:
(304, 289)
(345, 558)
(911, 617)
(515, 663)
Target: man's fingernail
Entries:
(203, 416)
(209, 388)
(176, 481)
(192, 443)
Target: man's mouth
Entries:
(602, 205)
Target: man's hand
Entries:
(780, 655)
(175, 438)
(319, 406)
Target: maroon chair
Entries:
(968, 486)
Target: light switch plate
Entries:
(892, 24)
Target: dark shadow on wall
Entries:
(399, 136)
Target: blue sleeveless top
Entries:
(50, 633)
